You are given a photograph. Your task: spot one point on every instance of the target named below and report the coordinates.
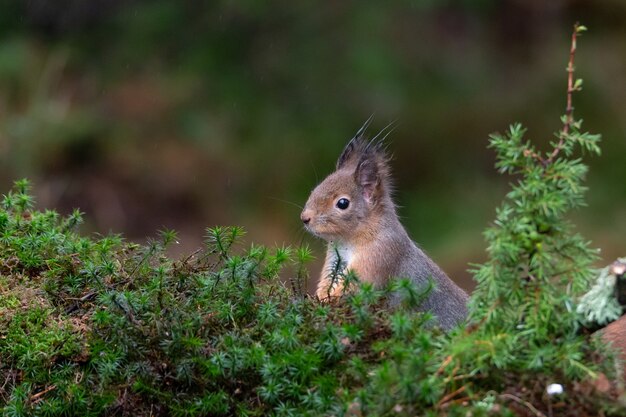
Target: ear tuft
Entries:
(348, 152)
(368, 161)
(355, 148)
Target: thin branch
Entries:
(37, 397)
(85, 297)
(569, 109)
(464, 376)
(450, 396)
(528, 405)
(445, 363)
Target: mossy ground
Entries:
(96, 326)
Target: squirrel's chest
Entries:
(340, 257)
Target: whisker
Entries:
(394, 127)
(317, 178)
(303, 236)
(391, 126)
(287, 202)
(363, 128)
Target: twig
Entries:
(461, 400)
(569, 109)
(37, 397)
(188, 258)
(463, 376)
(522, 402)
(82, 299)
(445, 363)
(10, 375)
(85, 297)
(450, 396)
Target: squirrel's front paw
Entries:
(327, 292)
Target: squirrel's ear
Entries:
(368, 177)
(355, 147)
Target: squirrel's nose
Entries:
(305, 217)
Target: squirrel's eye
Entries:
(343, 203)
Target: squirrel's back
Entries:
(392, 254)
(447, 301)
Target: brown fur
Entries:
(368, 234)
(615, 334)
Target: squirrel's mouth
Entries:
(319, 231)
(312, 231)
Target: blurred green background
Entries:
(187, 114)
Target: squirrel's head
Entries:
(351, 201)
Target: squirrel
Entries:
(353, 210)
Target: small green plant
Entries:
(523, 319)
(524, 303)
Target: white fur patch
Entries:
(345, 254)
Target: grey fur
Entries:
(369, 233)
